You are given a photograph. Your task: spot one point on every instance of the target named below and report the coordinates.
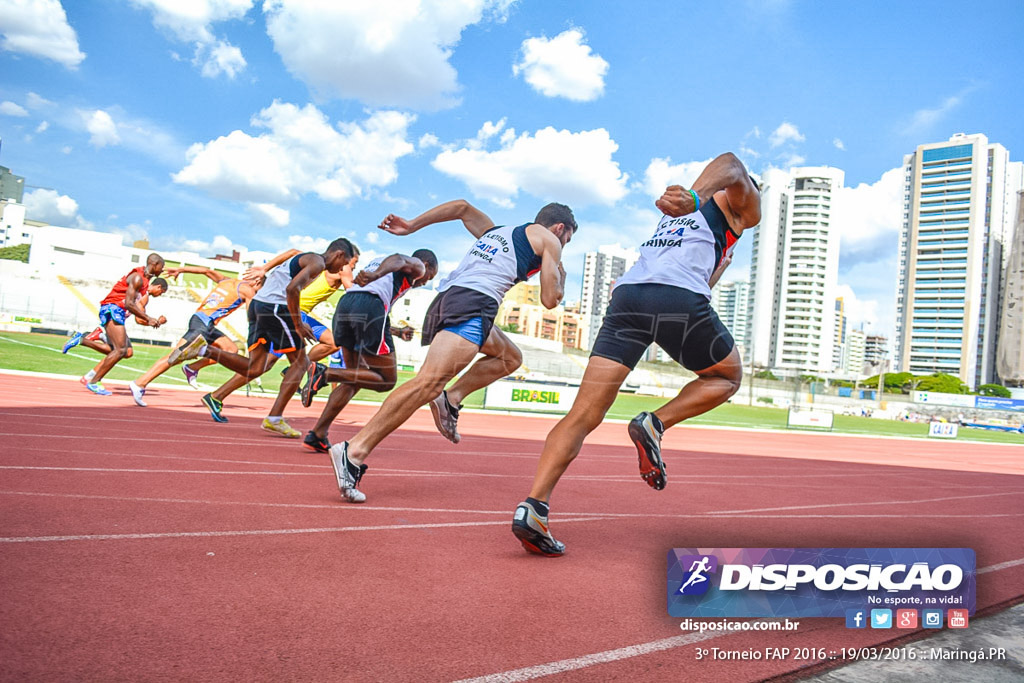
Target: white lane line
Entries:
(382, 508)
(541, 670)
(258, 532)
(146, 471)
(862, 504)
(224, 461)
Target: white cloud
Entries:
(192, 22)
(393, 54)
(428, 140)
(554, 165)
(220, 244)
(222, 58)
(43, 126)
(563, 66)
(101, 127)
(307, 243)
(786, 132)
(923, 119)
(838, 144)
(39, 28)
(66, 149)
(54, 208)
(8, 108)
(792, 159)
(859, 311)
(372, 237)
(869, 217)
(300, 152)
(661, 173)
(35, 101)
(269, 214)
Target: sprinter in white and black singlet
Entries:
(460, 322)
(362, 330)
(664, 299)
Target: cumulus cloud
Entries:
(192, 22)
(269, 214)
(838, 144)
(39, 28)
(43, 126)
(661, 173)
(8, 108)
(300, 152)
(563, 66)
(869, 217)
(35, 101)
(220, 244)
(386, 54)
(859, 311)
(49, 206)
(554, 165)
(786, 132)
(101, 127)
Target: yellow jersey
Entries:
(316, 292)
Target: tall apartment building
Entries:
(794, 268)
(959, 201)
(853, 352)
(839, 335)
(11, 186)
(601, 269)
(876, 352)
(1010, 351)
(731, 300)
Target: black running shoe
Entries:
(316, 378)
(531, 528)
(315, 443)
(214, 406)
(647, 440)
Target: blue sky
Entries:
(213, 123)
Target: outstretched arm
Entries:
(552, 274)
(475, 220)
(312, 265)
(256, 272)
(726, 173)
(392, 264)
(198, 270)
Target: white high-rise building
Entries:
(731, 300)
(854, 349)
(959, 199)
(794, 270)
(601, 269)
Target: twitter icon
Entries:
(881, 618)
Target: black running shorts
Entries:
(199, 326)
(362, 325)
(678, 320)
(457, 305)
(271, 324)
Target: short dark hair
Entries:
(427, 256)
(343, 245)
(159, 281)
(154, 258)
(556, 213)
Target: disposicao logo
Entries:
(817, 582)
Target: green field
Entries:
(41, 353)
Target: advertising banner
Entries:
(533, 396)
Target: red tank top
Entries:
(117, 294)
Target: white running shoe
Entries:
(347, 474)
(137, 394)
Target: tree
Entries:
(18, 252)
(994, 390)
(511, 327)
(894, 382)
(765, 374)
(942, 383)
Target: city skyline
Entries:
(140, 118)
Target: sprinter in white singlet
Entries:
(663, 299)
(460, 323)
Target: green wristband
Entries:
(696, 200)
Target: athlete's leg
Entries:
(384, 368)
(501, 358)
(292, 380)
(259, 362)
(448, 355)
(324, 347)
(712, 388)
(118, 348)
(597, 392)
(159, 368)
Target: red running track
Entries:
(154, 544)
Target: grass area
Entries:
(41, 353)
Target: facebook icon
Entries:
(856, 618)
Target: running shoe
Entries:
(531, 528)
(191, 376)
(97, 388)
(214, 405)
(647, 440)
(347, 473)
(97, 334)
(137, 394)
(280, 427)
(446, 417)
(193, 349)
(315, 443)
(316, 378)
(75, 340)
